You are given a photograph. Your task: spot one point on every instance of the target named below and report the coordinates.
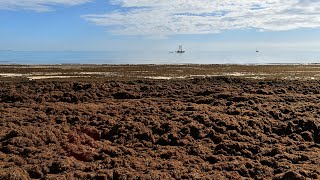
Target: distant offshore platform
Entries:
(180, 51)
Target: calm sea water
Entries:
(190, 57)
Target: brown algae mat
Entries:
(133, 72)
(203, 128)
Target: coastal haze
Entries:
(156, 89)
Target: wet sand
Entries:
(160, 122)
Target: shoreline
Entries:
(153, 71)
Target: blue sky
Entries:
(159, 24)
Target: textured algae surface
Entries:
(203, 128)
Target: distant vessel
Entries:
(180, 50)
(257, 50)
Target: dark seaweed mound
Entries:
(211, 128)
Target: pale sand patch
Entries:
(165, 77)
(158, 77)
(52, 77)
(208, 75)
(141, 71)
(310, 78)
(245, 74)
(248, 75)
(236, 74)
(178, 77)
(96, 73)
(11, 75)
(256, 77)
(291, 78)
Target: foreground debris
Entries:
(208, 128)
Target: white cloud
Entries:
(37, 5)
(164, 18)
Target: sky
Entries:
(137, 25)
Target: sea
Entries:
(158, 57)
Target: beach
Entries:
(183, 121)
(90, 72)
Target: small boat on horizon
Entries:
(180, 51)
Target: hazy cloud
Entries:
(37, 5)
(164, 18)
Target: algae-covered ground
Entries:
(132, 122)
